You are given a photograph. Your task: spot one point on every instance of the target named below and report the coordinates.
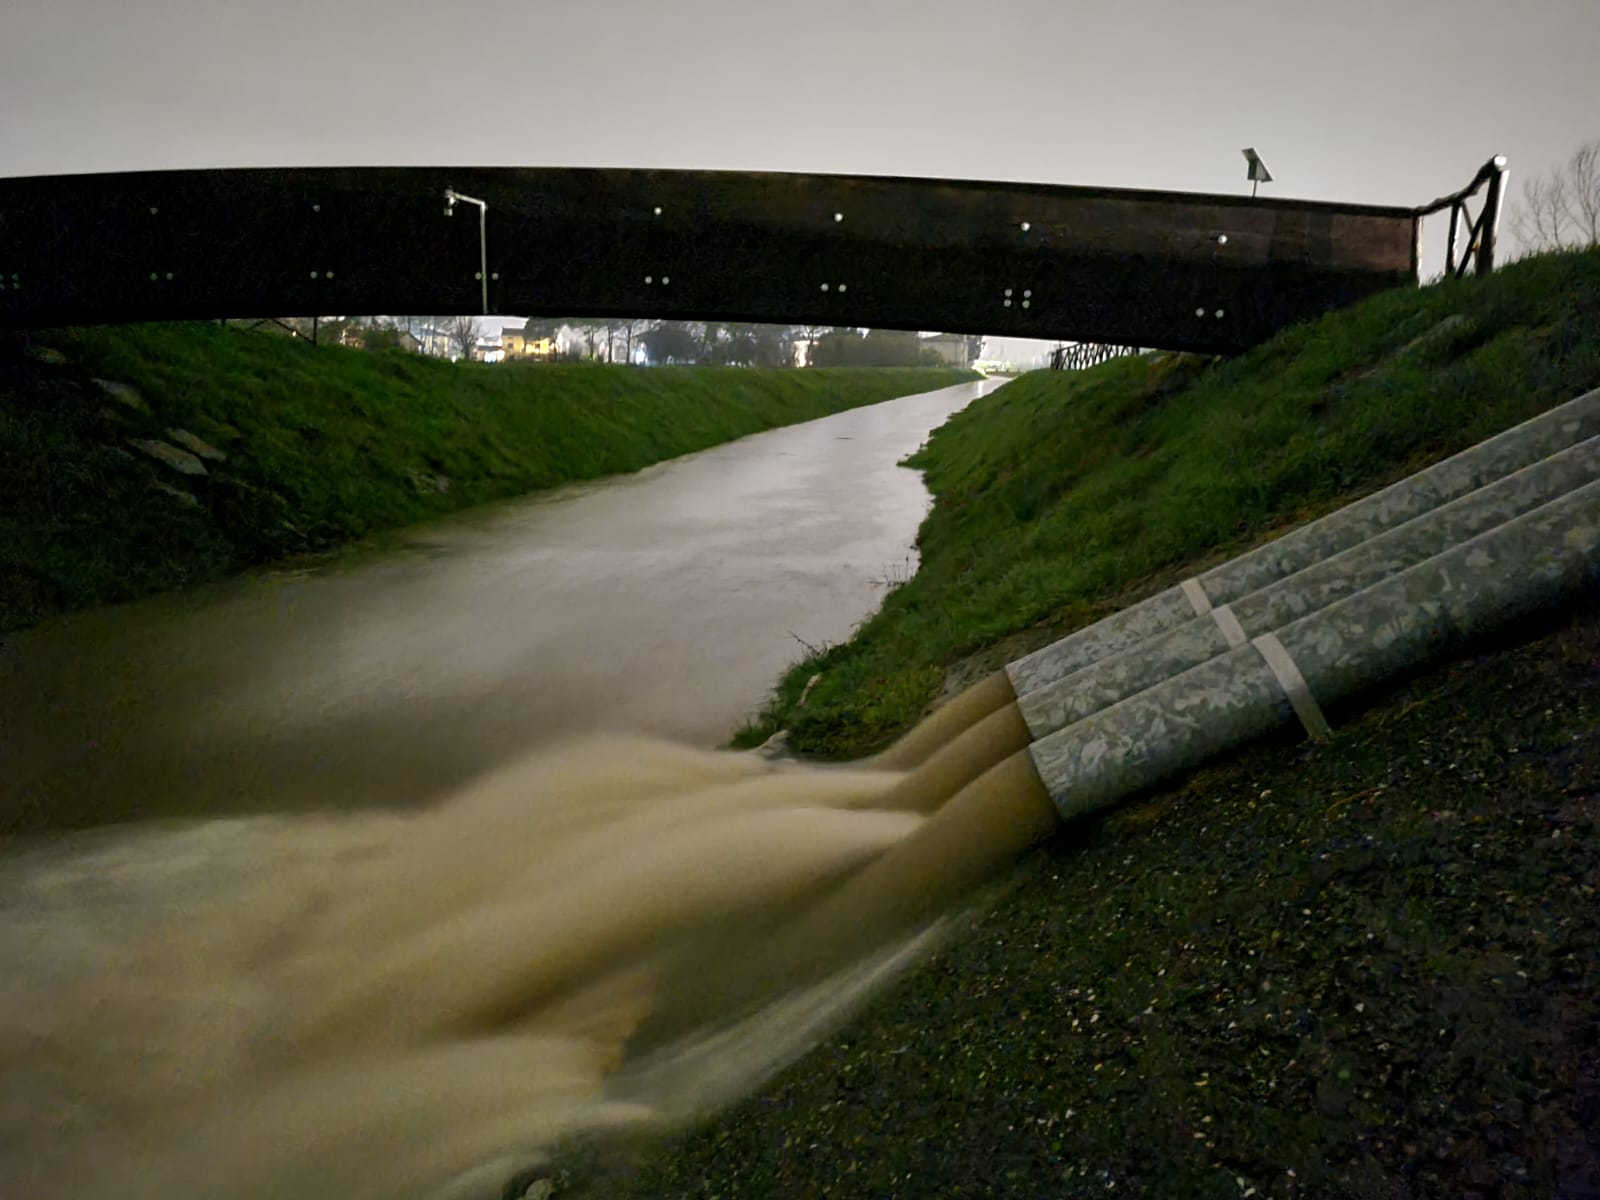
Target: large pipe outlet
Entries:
(1483, 584)
(1518, 447)
(1101, 684)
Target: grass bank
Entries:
(320, 446)
(1065, 496)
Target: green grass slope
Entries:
(324, 445)
(1067, 495)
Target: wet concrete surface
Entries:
(666, 602)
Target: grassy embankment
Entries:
(1066, 496)
(1366, 968)
(323, 446)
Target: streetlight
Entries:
(451, 198)
(1258, 173)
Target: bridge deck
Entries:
(1170, 270)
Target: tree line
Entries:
(622, 340)
(745, 344)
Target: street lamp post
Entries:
(451, 198)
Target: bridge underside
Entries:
(1167, 270)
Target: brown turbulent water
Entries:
(376, 1005)
(414, 953)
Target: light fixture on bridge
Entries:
(451, 199)
(1258, 173)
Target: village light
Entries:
(1257, 173)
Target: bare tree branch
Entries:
(1561, 208)
(463, 333)
(1583, 181)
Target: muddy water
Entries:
(373, 1006)
(392, 999)
(665, 603)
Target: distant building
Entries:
(357, 336)
(952, 348)
(529, 342)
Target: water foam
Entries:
(378, 1006)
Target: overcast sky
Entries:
(1388, 101)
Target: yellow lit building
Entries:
(527, 343)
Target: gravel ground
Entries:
(1363, 969)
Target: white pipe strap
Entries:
(1294, 686)
(1196, 594)
(1229, 624)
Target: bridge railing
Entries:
(1481, 231)
(1080, 356)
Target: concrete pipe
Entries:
(1518, 447)
(1484, 583)
(1481, 585)
(1101, 684)
(1475, 587)
(981, 718)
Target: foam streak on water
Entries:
(386, 1006)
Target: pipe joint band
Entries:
(1229, 624)
(1294, 686)
(1196, 595)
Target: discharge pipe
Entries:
(1518, 447)
(1101, 684)
(1526, 536)
(1493, 480)
(1483, 584)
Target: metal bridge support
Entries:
(1481, 230)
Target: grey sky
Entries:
(1391, 101)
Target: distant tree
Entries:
(463, 333)
(774, 346)
(597, 334)
(1561, 207)
(891, 348)
(671, 342)
(633, 328)
(877, 348)
(712, 351)
(836, 347)
(380, 336)
(974, 348)
(615, 334)
(740, 345)
(810, 335)
(430, 332)
(330, 331)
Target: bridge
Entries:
(1164, 270)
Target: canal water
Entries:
(306, 981)
(666, 602)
